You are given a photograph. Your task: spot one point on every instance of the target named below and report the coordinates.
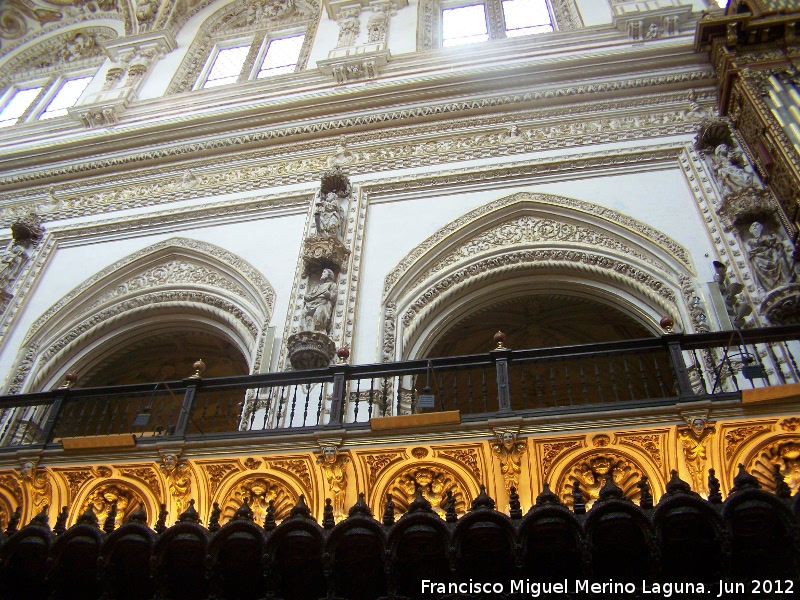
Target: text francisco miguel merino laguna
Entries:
(665, 590)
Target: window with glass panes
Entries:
(277, 56)
(469, 23)
(47, 100)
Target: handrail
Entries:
(674, 366)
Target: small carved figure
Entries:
(35, 481)
(319, 303)
(146, 11)
(334, 466)
(179, 478)
(509, 451)
(733, 173)
(349, 25)
(652, 32)
(768, 258)
(328, 216)
(11, 263)
(76, 47)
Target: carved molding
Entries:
(377, 463)
(466, 457)
(552, 451)
(576, 132)
(218, 471)
(526, 229)
(108, 296)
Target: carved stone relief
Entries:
(304, 159)
(26, 233)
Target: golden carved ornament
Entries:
(591, 471)
(147, 475)
(37, 484)
(75, 479)
(601, 440)
(179, 479)
(251, 463)
(297, 467)
(433, 483)
(103, 497)
(334, 466)
(785, 455)
(217, 472)
(735, 438)
(102, 471)
(651, 443)
(468, 457)
(259, 490)
(11, 483)
(790, 424)
(552, 450)
(695, 455)
(419, 452)
(509, 451)
(378, 462)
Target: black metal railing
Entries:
(672, 368)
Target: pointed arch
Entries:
(535, 242)
(175, 283)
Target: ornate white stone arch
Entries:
(176, 282)
(539, 243)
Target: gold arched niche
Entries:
(589, 467)
(129, 495)
(433, 478)
(259, 488)
(739, 441)
(781, 451)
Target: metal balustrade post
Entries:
(337, 397)
(673, 341)
(48, 429)
(187, 406)
(501, 358)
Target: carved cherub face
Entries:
(508, 439)
(329, 454)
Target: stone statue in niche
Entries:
(334, 467)
(328, 216)
(25, 232)
(732, 171)
(349, 25)
(768, 258)
(318, 303)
